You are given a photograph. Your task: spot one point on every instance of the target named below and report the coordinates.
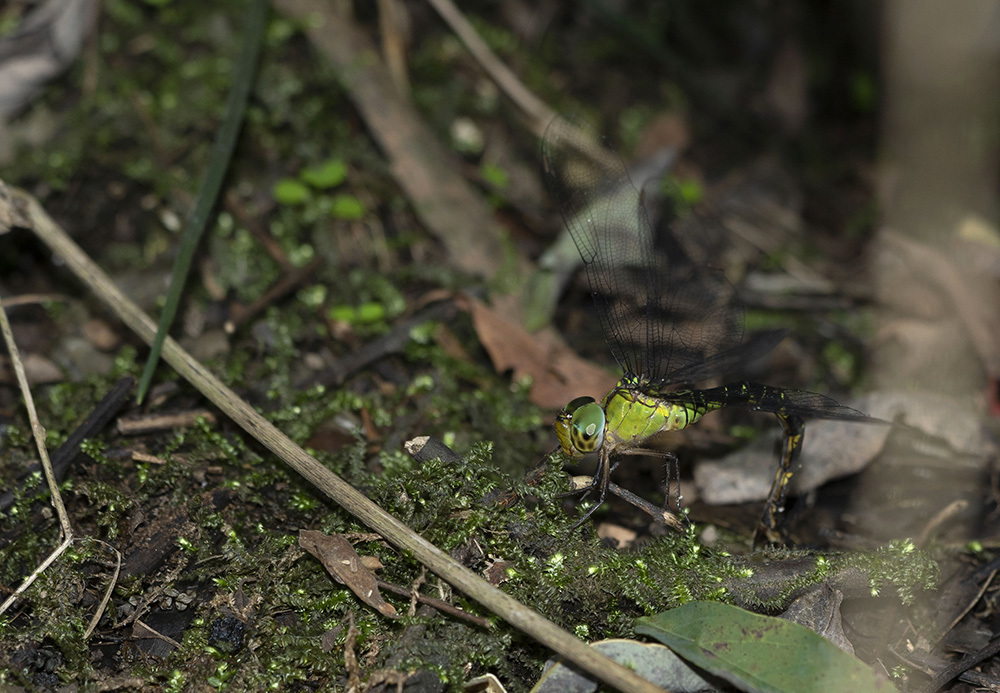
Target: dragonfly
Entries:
(671, 321)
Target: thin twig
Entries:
(151, 423)
(39, 434)
(42, 567)
(150, 632)
(442, 606)
(36, 427)
(537, 112)
(30, 299)
(290, 281)
(942, 516)
(107, 593)
(968, 608)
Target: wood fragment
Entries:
(140, 425)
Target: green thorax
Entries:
(635, 412)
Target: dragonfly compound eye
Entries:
(573, 424)
(587, 427)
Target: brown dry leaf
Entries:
(342, 561)
(558, 374)
(496, 572)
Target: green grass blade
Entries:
(222, 151)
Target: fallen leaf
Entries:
(819, 610)
(342, 561)
(557, 373)
(758, 653)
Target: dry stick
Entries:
(43, 455)
(967, 609)
(107, 593)
(50, 476)
(537, 112)
(322, 478)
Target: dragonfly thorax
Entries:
(580, 427)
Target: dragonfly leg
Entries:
(671, 461)
(660, 515)
(769, 529)
(601, 481)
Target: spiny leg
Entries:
(601, 481)
(769, 529)
(604, 484)
(658, 514)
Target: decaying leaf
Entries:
(558, 374)
(342, 561)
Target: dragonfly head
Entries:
(580, 427)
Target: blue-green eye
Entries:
(575, 404)
(587, 425)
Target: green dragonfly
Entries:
(670, 323)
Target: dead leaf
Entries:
(819, 610)
(830, 450)
(496, 572)
(342, 561)
(558, 374)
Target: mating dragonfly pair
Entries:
(670, 323)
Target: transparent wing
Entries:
(808, 405)
(660, 312)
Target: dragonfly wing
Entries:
(756, 347)
(808, 405)
(659, 311)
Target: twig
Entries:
(107, 594)
(538, 114)
(442, 606)
(958, 668)
(39, 434)
(391, 343)
(150, 632)
(284, 286)
(252, 223)
(322, 478)
(29, 299)
(968, 608)
(159, 422)
(942, 516)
